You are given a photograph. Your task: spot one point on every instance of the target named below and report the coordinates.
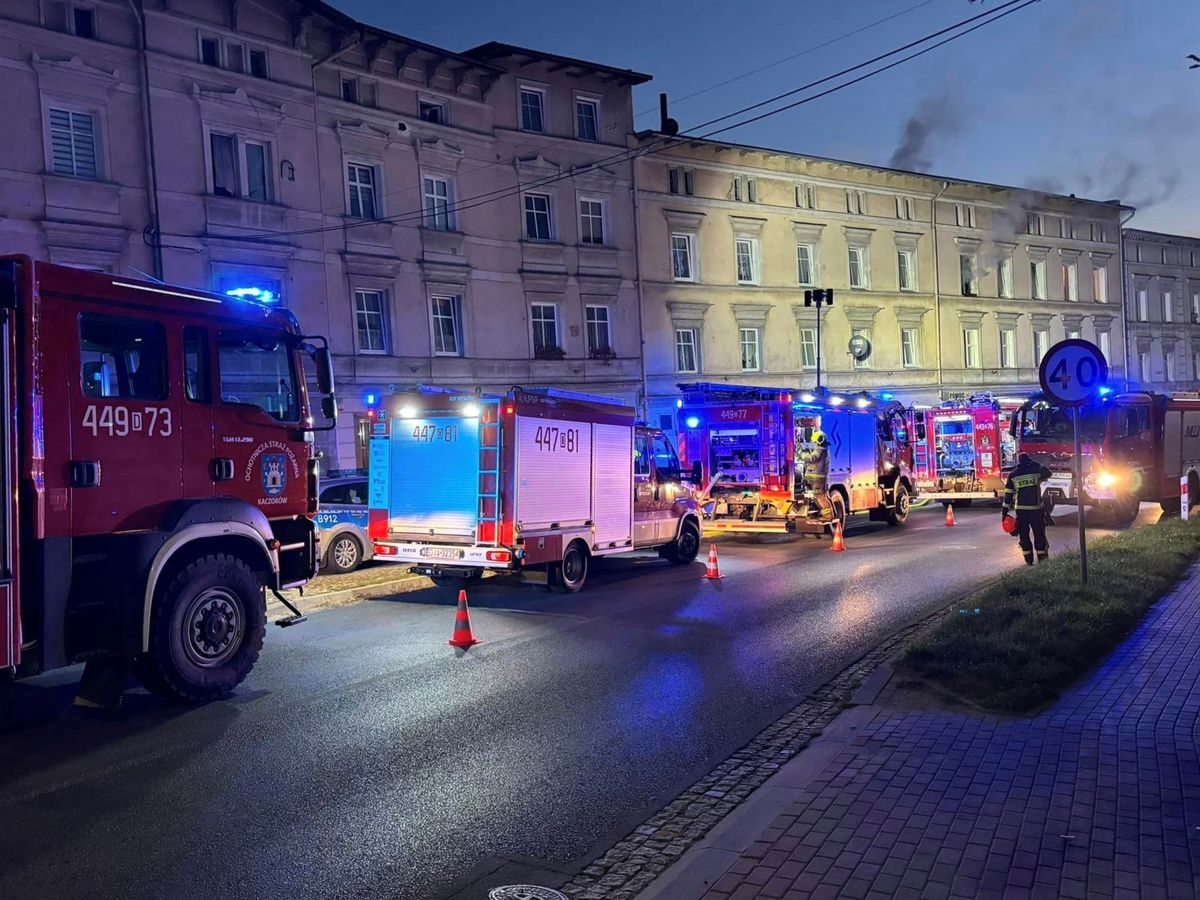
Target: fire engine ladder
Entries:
(488, 530)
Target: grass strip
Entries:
(1038, 630)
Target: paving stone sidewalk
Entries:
(1098, 796)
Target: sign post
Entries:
(1184, 499)
(1071, 374)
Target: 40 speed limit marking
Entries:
(1072, 372)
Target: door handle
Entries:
(222, 469)
(85, 473)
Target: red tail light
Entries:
(385, 550)
(499, 556)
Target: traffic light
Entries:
(808, 298)
(819, 296)
(828, 296)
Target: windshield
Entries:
(256, 369)
(1046, 423)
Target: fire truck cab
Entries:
(160, 474)
(1137, 446)
(749, 445)
(961, 450)
(534, 481)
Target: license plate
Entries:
(441, 553)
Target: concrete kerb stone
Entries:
(671, 835)
(316, 600)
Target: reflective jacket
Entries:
(1023, 490)
(816, 463)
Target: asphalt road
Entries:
(364, 757)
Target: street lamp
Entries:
(818, 297)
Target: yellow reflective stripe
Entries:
(1024, 481)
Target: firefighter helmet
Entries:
(818, 438)
(1009, 524)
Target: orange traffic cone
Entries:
(712, 572)
(839, 544)
(949, 515)
(463, 638)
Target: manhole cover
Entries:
(525, 892)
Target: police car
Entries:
(342, 519)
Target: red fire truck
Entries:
(535, 481)
(1137, 447)
(961, 450)
(160, 474)
(747, 445)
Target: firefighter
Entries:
(1023, 495)
(816, 473)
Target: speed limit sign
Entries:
(1072, 372)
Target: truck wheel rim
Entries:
(902, 504)
(215, 623)
(572, 567)
(689, 544)
(345, 553)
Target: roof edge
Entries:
(499, 50)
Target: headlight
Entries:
(1105, 480)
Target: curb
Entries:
(332, 599)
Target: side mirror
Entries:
(324, 363)
(329, 407)
(697, 472)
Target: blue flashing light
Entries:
(257, 294)
(886, 396)
(371, 398)
(679, 403)
(692, 422)
(1104, 390)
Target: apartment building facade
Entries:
(457, 218)
(1162, 307)
(956, 303)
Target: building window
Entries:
(360, 182)
(964, 215)
(538, 224)
(1070, 277)
(83, 21)
(1104, 342)
(1196, 311)
(1037, 279)
(544, 319)
(906, 208)
(1041, 343)
(1004, 277)
(906, 264)
(599, 331)
(808, 348)
(746, 251)
(673, 176)
(858, 267)
(258, 63)
(1036, 224)
(349, 89)
(751, 190)
(370, 319)
(1144, 365)
(1072, 334)
(235, 56)
(532, 115)
(805, 254)
(1168, 311)
(806, 196)
(1066, 228)
(1166, 256)
(856, 202)
(966, 271)
(689, 182)
(446, 313)
(910, 348)
(1100, 283)
(210, 51)
(432, 111)
(686, 356)
(682, 254)
(750, 355)
(439, 213)
(1143, 305)
(685, 178)
(240, 168)
(866, 362)
(587, 119)
(1096, 231)
(971, 348)
(73, 143)
(591, 221)
(1008, 348)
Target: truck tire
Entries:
(206, 631)
(838, 501)
(1124, 511)
(345, 554)
(568, 576)
(686, 546)
(898, 513)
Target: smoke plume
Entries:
(937, 117)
